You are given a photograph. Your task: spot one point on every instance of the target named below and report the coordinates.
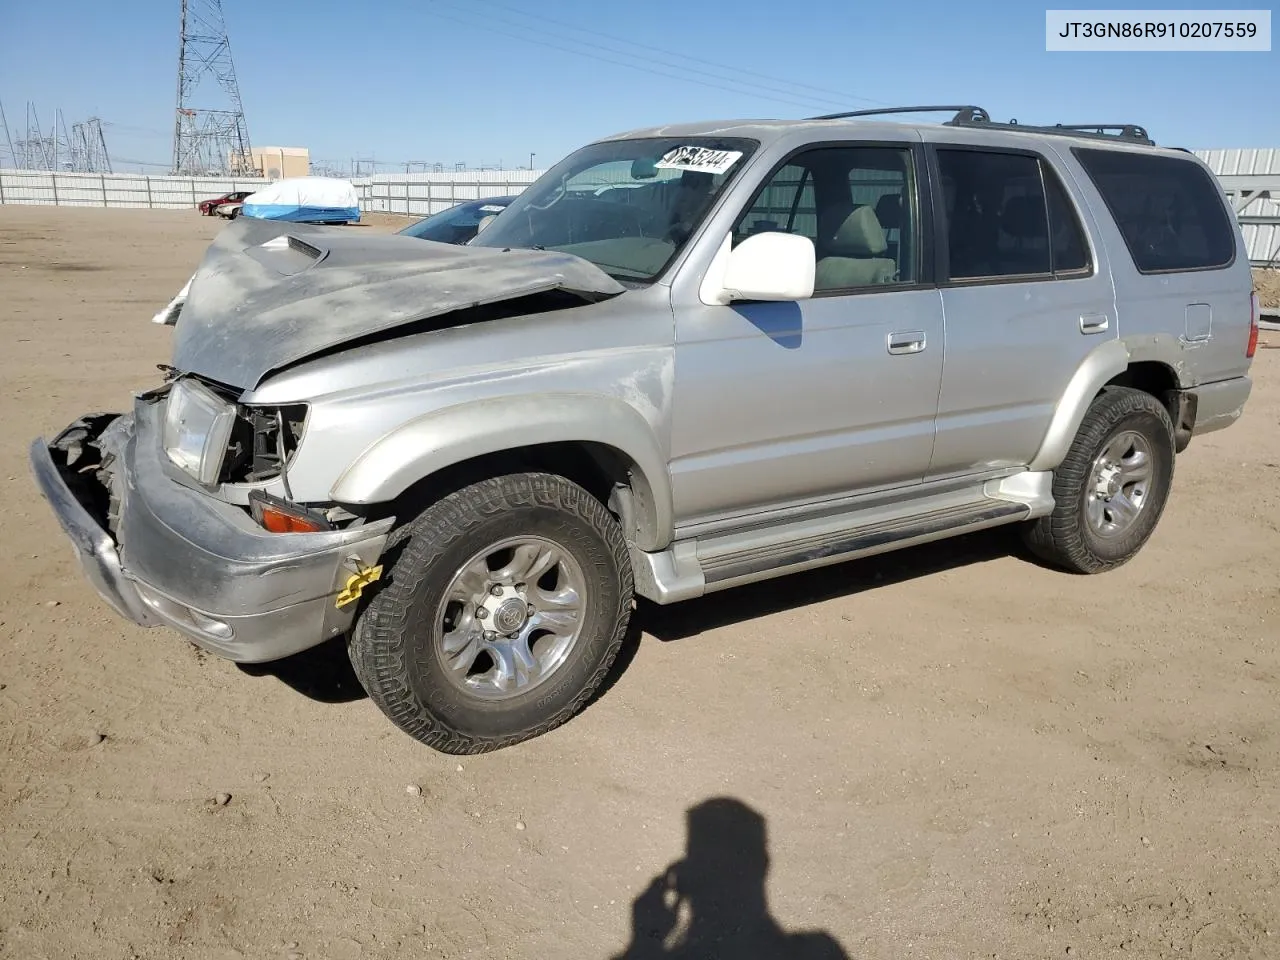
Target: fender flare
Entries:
(1106, 361)
(427, 444)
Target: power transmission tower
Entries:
(89, 147)
(39, 151)
(212, 137)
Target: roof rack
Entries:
(968, 112)
(973, 116)
(1123, 131)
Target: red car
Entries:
(207, 207)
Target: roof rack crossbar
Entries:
(963, 112)
(1101, 131)
(1129, 130)
(968, 115)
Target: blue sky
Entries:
(483, 81)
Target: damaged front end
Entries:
(268, 295)
(182, 512)
(163, 551)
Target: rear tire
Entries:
(503, 609)
(1112, 486)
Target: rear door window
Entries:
(1168, 210)
(1008, 218)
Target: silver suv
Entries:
(685, 359)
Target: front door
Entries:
(784, 403)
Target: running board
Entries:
(691, 568)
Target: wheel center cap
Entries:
(510, 615)
(1108, 482)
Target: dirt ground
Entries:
(950, 752)
(1267, 284)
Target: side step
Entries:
(691, 568)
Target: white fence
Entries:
(414, 194)
(420, 194)
(114, 189)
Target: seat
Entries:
(1023, 219)
(889, 213)
(853, 255)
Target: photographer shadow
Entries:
(712, 903)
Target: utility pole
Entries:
(212, 137)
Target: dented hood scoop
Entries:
(268, 293)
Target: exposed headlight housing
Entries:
(197, 426)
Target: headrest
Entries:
(860, 235)
(889, 211)
(1023, 217)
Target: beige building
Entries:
(278, 162)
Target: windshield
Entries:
(628, 206)
(457, 224)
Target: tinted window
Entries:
(1069, 250)
(1168, 210)
(857, 206)
(999, 222)
(995, 214)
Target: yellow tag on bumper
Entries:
(356, 584)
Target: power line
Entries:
(806, 103)
(808, 98)
(845, 97)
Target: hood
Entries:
(268, 294)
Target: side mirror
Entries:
(766, 266)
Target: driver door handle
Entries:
(912, 341)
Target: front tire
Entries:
(1111, 488)
(503, 610)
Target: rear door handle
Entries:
(912, 341)
(1094, 322)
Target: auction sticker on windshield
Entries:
(700, 159)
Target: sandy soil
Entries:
(955, 753)
(1267, 283)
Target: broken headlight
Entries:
(262, 441)
(215, 440)
(197, 426)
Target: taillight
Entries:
(1255, 311)
(281, 516)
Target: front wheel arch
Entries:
(469, 437)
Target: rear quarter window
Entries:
(1168, 210)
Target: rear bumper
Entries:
(1220, 404)
(196, 564)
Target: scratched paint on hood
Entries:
(268, 294)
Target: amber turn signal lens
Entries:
(280, 516)
(277, 521)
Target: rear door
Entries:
(1026, 296)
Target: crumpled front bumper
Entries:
(186, 560)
